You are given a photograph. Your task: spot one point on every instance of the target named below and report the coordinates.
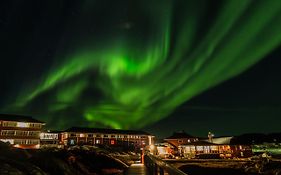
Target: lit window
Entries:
(22, 125)
(112, 142)
(11, 141)
(72, 142)
(82, 135)
(97, 141)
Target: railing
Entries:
(157, 166)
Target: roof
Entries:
(179, 135)
(18, 118)
(106, 131)
(221, 140)
(199, 143)
(52, 131)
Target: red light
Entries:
(112, 142)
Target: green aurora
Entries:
(142, 78)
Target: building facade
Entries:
(110, 137)
(180, 138)
(20, 131)
(50, 139)
(203, 149)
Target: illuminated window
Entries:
(9, 124)
(112, 142)
(11, 141)
(82, 135)
(97, 141)
(72, 142)
(22, 124)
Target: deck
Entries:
(137, 169)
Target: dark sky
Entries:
(248, 103)
(164, 66)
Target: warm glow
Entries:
(151, 147)
(11, 141)
(162, 150)
(41, 135)
(112, 142)
(149, 140)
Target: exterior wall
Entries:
(224, 151)
(118, 140)
(180, 141)
(241, 151)
(49, 139)
(20, 134)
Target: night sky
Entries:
(161, 66)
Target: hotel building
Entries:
(111, 137)
(20, 131)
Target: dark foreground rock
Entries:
(78, 161)
(251, 168)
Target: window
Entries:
(112, 136)
(22, 124)
(19, 133)
(9, 124)
(11, 141)
(8, 132)
(25, 133)
(33, 133)
(105, 136)
(20, 141)
(72, 142)
(97, 141)
(90, 135)
(3, 132)
(32, 142)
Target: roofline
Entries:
(24, 121)
(106, 131)
(181, 138)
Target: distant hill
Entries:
(256, 138)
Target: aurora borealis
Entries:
(127, 64)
